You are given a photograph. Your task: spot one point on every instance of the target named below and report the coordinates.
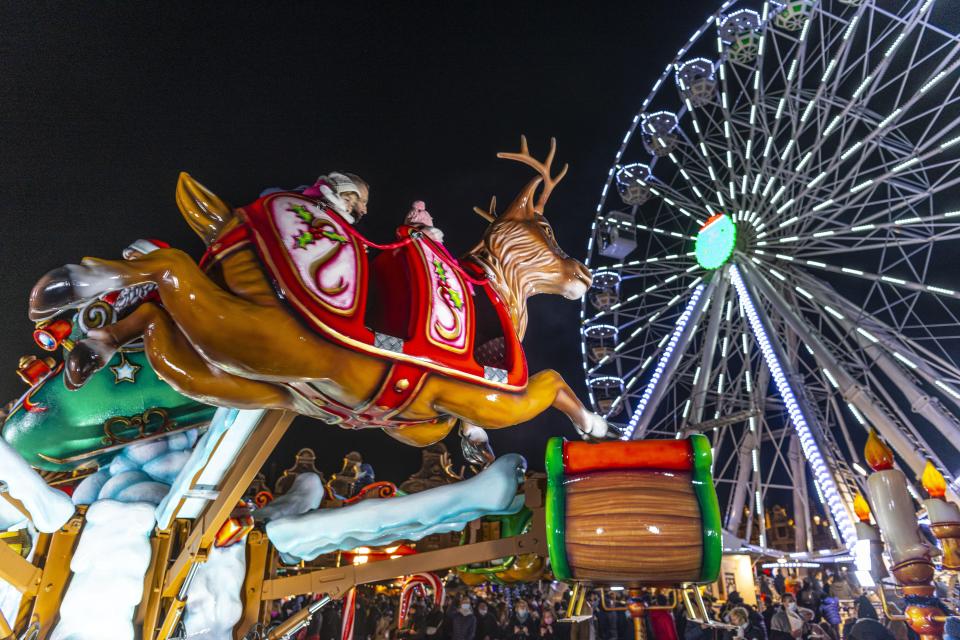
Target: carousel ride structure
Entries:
(156, 539)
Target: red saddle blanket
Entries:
(411, 304)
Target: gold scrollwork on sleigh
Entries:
(157, 418)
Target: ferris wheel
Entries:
(774, 254)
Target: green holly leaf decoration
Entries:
(440, 271)
(302, 212)
(304, 240)
(456, 299)
(333, 235)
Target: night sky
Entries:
(104, 103)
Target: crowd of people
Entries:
(511, 614)
(807, 609)
(804, 609)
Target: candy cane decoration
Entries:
(416, 583)
(349, 613)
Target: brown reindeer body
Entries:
(226, 338)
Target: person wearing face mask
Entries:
(464, 625)
(487, 628)
(787, 622)
(548, 625)
(521, 624)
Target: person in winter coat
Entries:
(548, 625)
(830, 611)
(464, 622)
(786, 623)
(487, 627)
(780, 582)
(745, 629)
(521, 626)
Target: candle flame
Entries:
(861, 508)
(878, 455)
(933, 481)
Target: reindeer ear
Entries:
(490, 214)
(522, 207)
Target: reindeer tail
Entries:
(201, 208)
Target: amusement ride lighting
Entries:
(821, 475)
(715, 241)
(664, 359)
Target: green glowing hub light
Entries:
(715, 241)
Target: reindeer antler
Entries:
(491, 213)
(543, 168)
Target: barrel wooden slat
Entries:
(637, 526)
(588, 505)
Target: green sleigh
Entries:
(56, 429)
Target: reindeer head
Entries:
(520, 245)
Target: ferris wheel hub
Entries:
(715, 241)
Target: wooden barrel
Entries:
(632, 513)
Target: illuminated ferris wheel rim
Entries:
(764, 256)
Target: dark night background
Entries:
(103, 104)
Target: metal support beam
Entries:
(801, 498)
(850, 389)
(742, 488)
(800, 414)
(935, 413)
(669, 360)
(699, 395)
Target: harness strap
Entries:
(232, 240)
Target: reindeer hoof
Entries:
(85, 359)
(478, 453)
(53, 293)
(596, 428)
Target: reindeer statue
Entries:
(238, 333)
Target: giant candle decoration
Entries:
(892, 504)
(944, 516)
(894, 512)
(869, 534)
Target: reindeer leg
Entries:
(74, 285)
(496, 410)
(422, 435)
(94, 352)
(192, 376)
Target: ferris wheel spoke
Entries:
(698, 152)
(865, 228)
(702, 194)
(885, 209)
(874, 277)
(907, 444)
(675, 200)
(800, 416)
(642, 227)
(865, 188)
(864, 91)
(642, 325)
(702, 376)
(815, 249)
(914, 356)
(669, 359)
(891, 361)
(805, 121)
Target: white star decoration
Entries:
(125, 372)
